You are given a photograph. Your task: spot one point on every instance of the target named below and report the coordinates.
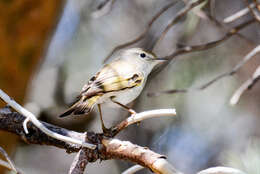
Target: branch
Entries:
(245, 86)
(133, 169)
(142, 35)
(141, 116)
(229, 73)
(140, 155)
(252, 10)
(107, 148)
(13, 122)
(238, 14)
(103, 8)
(190, 5)
(188, 49)
(80, 162)
(37, 123)
(221, 170)
(10, 165)
(183, 49)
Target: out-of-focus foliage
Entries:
(25, 28)
(245, 158)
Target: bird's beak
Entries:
(161, 58)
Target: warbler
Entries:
(119, 82)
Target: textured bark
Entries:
(107, 148)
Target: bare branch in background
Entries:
(189, 6)
(250, 82)
(238, 14)
(204, 86)
(221, 170)
(10, 165)
(184, 49)
(133, 169)
(188, 49)
(103, 8)
(245, 86)
(212, 17)
(253, 11)
(37, 123)
(142, 35)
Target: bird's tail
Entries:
(83, 106)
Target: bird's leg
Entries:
(105, 130)
(123, 106)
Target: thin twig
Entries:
(7, 165)
(204, 86)
(133, 169)
(188, 49)
(37, 123)
(221, 170)
(11, 164)
(184, 49)
(225, 29)
(136, 118)
(103, 8)
(252, 10)
(190, 5)
(245, 86)
(143, 34)
(238, 14)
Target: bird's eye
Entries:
(143, 55)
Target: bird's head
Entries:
(141, 57)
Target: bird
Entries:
(120, 82)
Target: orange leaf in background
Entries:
(25, 28)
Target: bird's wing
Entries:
(111, 79)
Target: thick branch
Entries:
(79, 163)
(30, 116)
(13, 122)
(127, 151)
(107, 148)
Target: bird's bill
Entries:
(161, 58)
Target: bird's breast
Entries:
(123, 96)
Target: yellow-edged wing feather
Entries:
(113, 77)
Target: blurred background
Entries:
(50, 48)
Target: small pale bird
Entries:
(119, 82)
